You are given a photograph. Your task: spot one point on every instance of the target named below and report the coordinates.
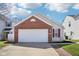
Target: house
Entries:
(10, 24)
(3, 20)
(71, 28)
(36, 28)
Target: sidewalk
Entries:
(62, 52)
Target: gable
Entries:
(67, 20)
(33, 22)
(33, 17)
(41, 18)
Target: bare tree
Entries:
(5, 8)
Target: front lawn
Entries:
(2, 44)
(73, 40)
(73, 49)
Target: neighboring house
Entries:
(36, 28)
(10, 24)
(3, 20)
(71, 27)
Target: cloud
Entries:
(19, 11)
(29, 5)
(76, 6)
(59, 7)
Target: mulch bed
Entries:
(64, 42)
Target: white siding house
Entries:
(71, 27)
(2, 25)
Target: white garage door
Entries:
(33, 35)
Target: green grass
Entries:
(73, 49)
(72, 40)
(62, 45)
(2, 44)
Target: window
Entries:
(58, 32)
(10, 32)
(71, 33)
(53, 32)
(65, 34)
(69, 24)
(8, 24)
(33, 20)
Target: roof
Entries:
(3, 17)
(75, 16)
(47, 19)
(41, 17)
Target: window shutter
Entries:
(58, 32)
(53, 32)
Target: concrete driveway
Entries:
(28, 49)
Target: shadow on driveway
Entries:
(42, 45)
(28, 49)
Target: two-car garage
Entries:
(33, 29)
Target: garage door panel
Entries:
(33, 35)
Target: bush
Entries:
(2, 44)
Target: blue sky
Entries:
(55, 11)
